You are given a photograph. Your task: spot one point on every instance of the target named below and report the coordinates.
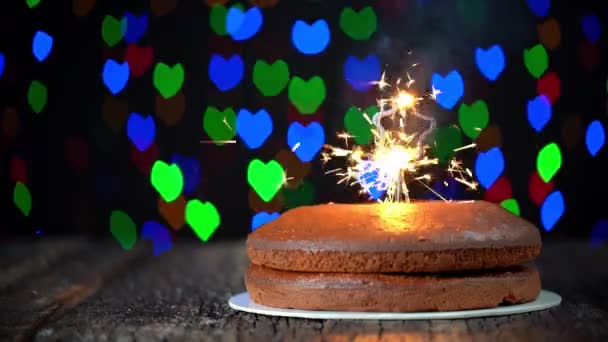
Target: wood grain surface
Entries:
(83, 290)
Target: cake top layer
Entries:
(386, 227)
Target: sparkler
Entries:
(396, 157)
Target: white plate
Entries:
(545, 300)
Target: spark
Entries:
(295, 147)
(465, 147)
(434, 92)
(410, 80)
(382, 82)
(395, 158)
(227, 124)
(345, 136)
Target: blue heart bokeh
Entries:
(262, 218)
(42, 45)
(595, 137)
(243, 25)
(450, 87)
(552, 209)
(254, 129)
(360, 73)
(539, 112)
(310, 39)
(491, 62)
(309, 139)
(136, 27)
(115, 75)
(539, 7)
(141, 131)
(489, 166)
(226, 74)
(191, 171)
(158, 234)
(591, 27)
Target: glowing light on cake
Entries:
(395, 157)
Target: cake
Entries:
(394, 257)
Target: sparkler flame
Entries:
(395, 158)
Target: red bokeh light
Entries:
(499, 191)
(139, 59)
(549, 85)
(538, 189)
(18, 170)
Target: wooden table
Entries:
(76, 289)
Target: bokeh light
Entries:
(42, 45)
(595, 137)
(473, 118)
(159, 235)
(536, 60)
(253, 128)
(310, 39)
(270, 79)
(490, 62)
(141, 130)
(168, 180)
(539, 112)
(307, 96)
(552, 210)
(489, 166)
(203, 218)
(549, 161)
(123, 229)
(265, 178)
(226, 73)
(22, 198)
(136, 27)
(450, 87)
(591, 27)
(115, 75)
(262, 218)
(359, 25)
(37, 96)
(305, 141)
(220, 126)
(168, 80)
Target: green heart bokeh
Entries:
(548, 161)
(113, 30)
(265, 179)
(36, 96)
(217, 19)
(22, 198)
(446, 139)
(203, 218)
(358, 25)
(168, 80)
(473, 118)
(219, 125)
(358, 126)
(536, 60)
(270, 79)
(304, 194)
(511, 205)
(307, 96)
(123, 229)
(168, 180)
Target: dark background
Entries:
(79, 170)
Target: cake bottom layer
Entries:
(391, 292)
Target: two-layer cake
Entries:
(423, 256)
